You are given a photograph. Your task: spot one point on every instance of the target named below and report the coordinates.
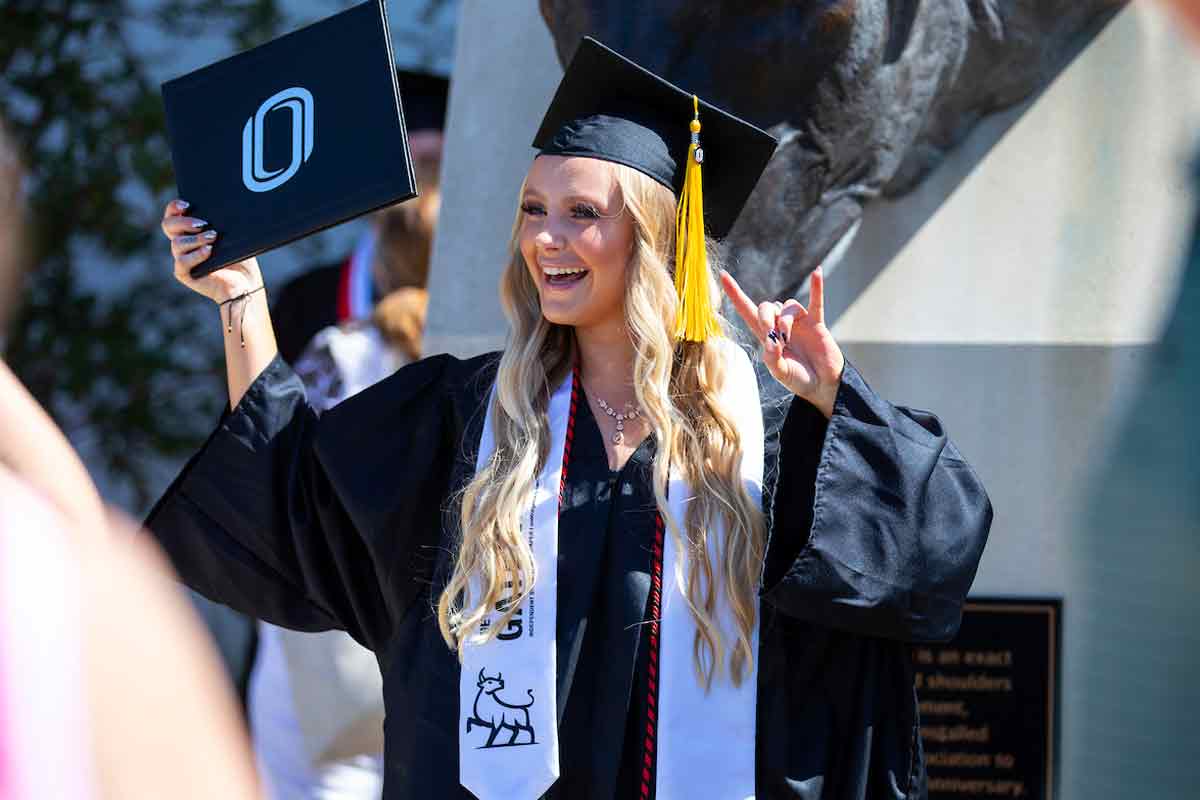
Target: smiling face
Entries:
(576, 238)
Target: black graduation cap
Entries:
(424, 95)
(610, 108)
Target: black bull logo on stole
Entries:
(490, 711)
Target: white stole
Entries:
(508, 736)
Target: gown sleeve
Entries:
(314, 523)
(877, 522)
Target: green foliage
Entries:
(126, 360)
(122, 356)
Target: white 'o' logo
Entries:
(300, 102)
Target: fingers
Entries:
(772, 356)
(186, 262)
(177, 226)
(763, 318)
(174, 223)
(773, 337)
(742, 304)
(790, 312)
(175, 208)
(181, 245)
(816, 299)
(190, 245)
(766, 315)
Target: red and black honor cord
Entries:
(566, 459)
(649, 745)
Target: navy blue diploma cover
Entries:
(294, 136)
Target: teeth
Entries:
(563, 270)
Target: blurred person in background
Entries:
(1189, 10)
(315, 700)
(108, 685)
(392, 255)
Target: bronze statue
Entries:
(866, 96)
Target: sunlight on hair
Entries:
(678, 387)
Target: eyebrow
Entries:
(571, 198)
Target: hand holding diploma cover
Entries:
(294, 136)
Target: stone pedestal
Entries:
(505, 73)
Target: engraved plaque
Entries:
(989, 702)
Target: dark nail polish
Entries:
(784, 335)
(773, 336)
(184, 205)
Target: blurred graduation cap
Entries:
(424, 95)
(610, 108)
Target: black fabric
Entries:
(423, 98)
(889, 520)
(626, 611)
(347, 521)
(601, 607)
(307, 305)
(610, 108)
(645, 147)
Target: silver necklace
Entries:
(629, 414)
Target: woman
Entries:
(560, 555)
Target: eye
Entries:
(532, 209)
(585, 211)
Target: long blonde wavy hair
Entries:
(677, 385)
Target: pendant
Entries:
(618, 437)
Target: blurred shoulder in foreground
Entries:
(110, 686)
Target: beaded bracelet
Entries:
(242, 322)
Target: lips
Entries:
(561, 277)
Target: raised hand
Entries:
(191, 244)
(798, 350)
(237, 289)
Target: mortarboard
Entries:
(610, 108)
(424, 96)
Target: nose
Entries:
(550, 238)
(545, 240)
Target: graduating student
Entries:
(583, 568)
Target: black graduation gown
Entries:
(877, 526)
(307, 305)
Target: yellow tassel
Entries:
(696, 319)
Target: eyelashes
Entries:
(578, 211)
